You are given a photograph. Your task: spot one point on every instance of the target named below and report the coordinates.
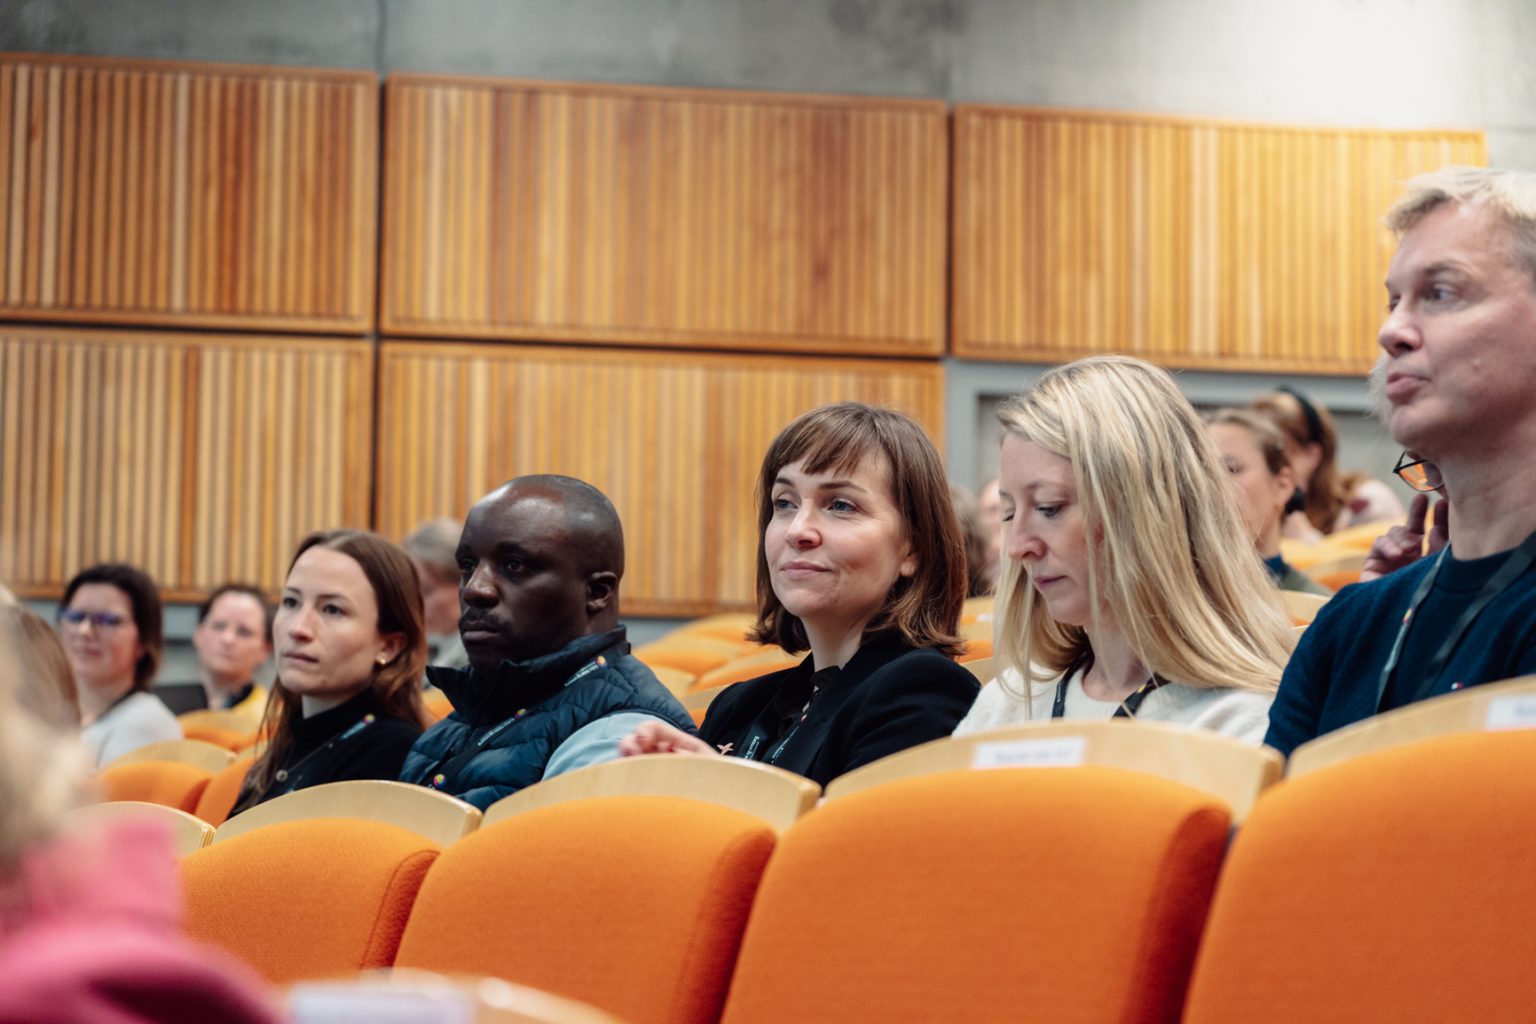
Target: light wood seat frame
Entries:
(492, 1000)
(188, 832)
(773, 794)
(1467, 710)
(1233, 772)
(437, 816)
(1303, 607)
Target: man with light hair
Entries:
(431, 547)
(1458, 373)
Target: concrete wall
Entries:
(1399, 63)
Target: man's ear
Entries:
(602, 588)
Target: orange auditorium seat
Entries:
(168, 783)
(748, 666)
(307, 899)
(634, 904)
(218, 799)
(1393, 886)
(1046, 894)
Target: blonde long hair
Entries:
(1169, 556)
(43, 769)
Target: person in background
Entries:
(89, 921)
(233, 639)
(47, 686)
(350, 652)
(1131, 588)
(973, 532)
(990, 504)
(1333, 500)
(431, 547)
(551, 685)
(110, 625)
(1457, 371)
(860, 561)
(1254, 453)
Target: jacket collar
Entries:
(516, 684)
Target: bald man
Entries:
(551, 685)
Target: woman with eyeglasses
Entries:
(1129, 587)
(110, 624)
(1335, 500)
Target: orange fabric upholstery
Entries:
(1048, 894)
(229, 739)
(633, 904)
(307, 899)
(1394, 886)
(750, 666)
(155, 782)
(223, 789)
(697, 660)
(438, 706)
(975, 650)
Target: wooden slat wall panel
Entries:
(654, 216)
(674, 439)
(187, 194)
(1193, 243)
(201, 458)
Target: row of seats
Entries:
(1389, 884)
(187, 775)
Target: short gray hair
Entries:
(1509, 193)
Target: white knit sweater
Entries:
(1240, 714)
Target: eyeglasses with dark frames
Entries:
(1420, 474)
(104, 622)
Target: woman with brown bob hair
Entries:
(860, 561)
(351, 647)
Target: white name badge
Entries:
(1517, 711)
(1056, 752)
(318, 1004)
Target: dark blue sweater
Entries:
(1334, 675)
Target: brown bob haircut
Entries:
(924, 609)
(144, 598)
(396, 684)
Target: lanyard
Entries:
(439, 774)
(1128, 707)
(1515, 565)
(764, 726)
(292, 779)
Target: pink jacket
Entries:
(89, 931)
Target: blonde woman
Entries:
(89, 922)
(1130, 587)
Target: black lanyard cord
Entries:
(1516, 563)
(1128, 708)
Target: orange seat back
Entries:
(634, 904)
(168, 783)
(229, 739)
(1393, 886)
(223, 790)
(1044, 894)
(307, 899)
(748, 666)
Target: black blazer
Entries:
(889, 697)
